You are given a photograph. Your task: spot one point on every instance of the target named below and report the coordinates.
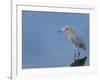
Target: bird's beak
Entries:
(62, 29)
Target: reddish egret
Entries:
(74, 38)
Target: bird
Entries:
(75, 39)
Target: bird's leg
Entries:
(78, 54)
(75, 56)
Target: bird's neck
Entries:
(68, 34)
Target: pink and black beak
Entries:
(62, 29)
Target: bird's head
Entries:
(66, 28)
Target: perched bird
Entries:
(74, 38)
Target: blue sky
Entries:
(43, 46)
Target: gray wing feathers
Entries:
(77, 41)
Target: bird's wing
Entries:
(77, 41)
